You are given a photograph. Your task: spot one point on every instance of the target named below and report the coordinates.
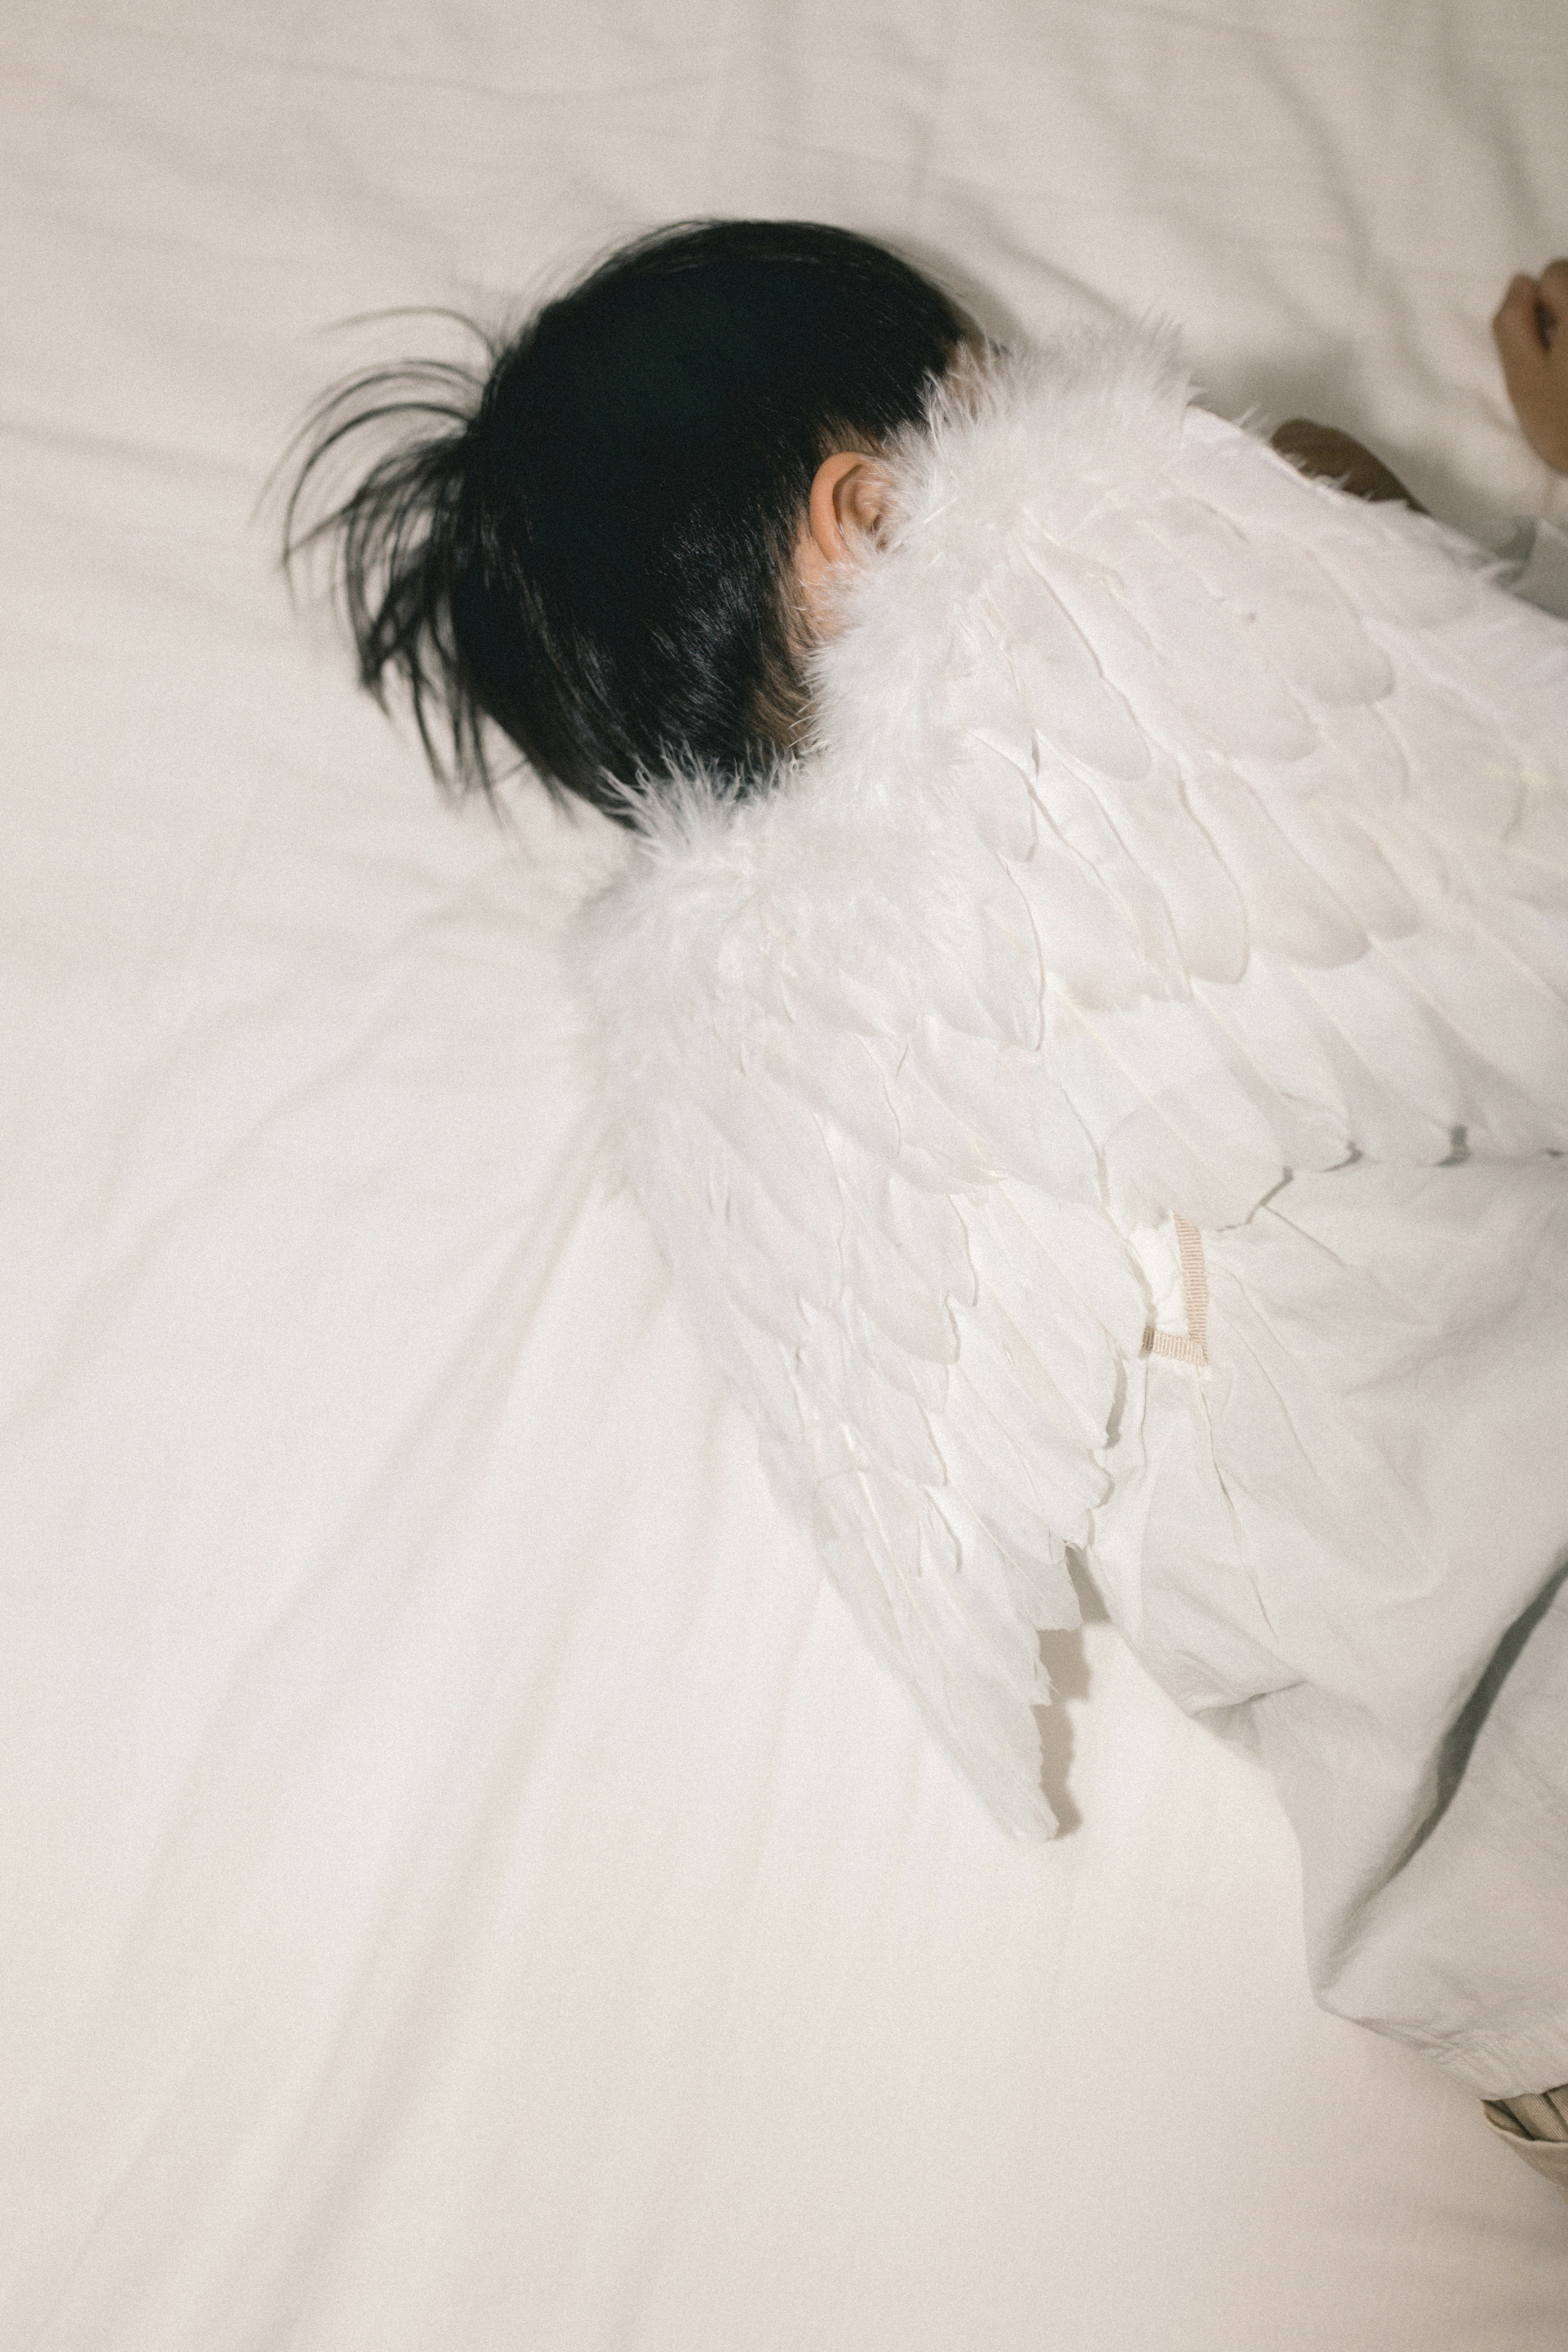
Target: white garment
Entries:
(1393, 1339)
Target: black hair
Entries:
(586, 541)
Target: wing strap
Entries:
(1193, 1345)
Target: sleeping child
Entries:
(1084, 1010)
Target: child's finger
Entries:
(1552, 291)
(1515, 323)
(1534, 356)
(1515, 331)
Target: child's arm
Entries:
(1534, 356)
(1325, 451)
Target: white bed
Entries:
(465, 1885)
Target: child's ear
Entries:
(848, 503)
(848, 500)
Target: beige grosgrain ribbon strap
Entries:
(1193, 1345)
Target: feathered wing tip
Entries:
(400, 539)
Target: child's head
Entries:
(592, 546)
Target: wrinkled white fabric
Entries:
(1339, 1546)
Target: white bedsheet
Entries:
(464, 1884)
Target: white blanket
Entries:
(464, 1882)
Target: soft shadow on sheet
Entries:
(1066, 1660)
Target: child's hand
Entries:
(1532, 333)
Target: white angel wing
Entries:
(925, 1348)
(1178, 823)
